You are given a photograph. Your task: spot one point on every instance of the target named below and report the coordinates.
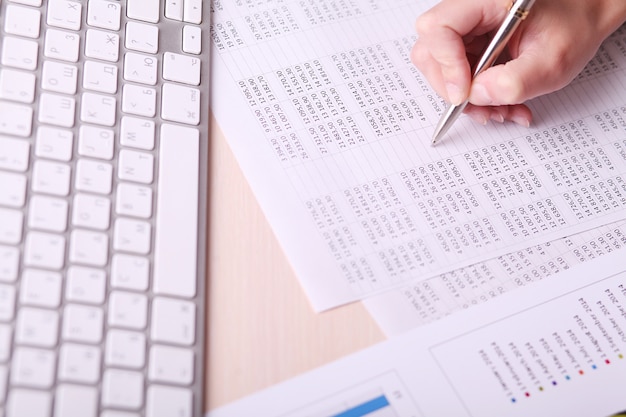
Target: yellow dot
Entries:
(540, 388)
(620, 356)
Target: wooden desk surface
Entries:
(261, 328)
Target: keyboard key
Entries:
(174, 9)
(177, 212)
(9, 263)
(41, 288)
(122, 389)
(37, 327)
(145, 10)
(48, 214)
(19, 53)
(94, 176)
(4, 376)
(181, 68)
(112, 413)
(98, 109)
(85, 285)
(33, 367)
(89, 248)
(137, 133)
(130, 272)
(140, 68)
(142, 38)
(59, 77)
(134, 200)
(64, 14)
(181, 104)
(53, 143)
(132, 236)
(62, 45)
(128, 310)
(57, 110)
(138, 100)
(192, 40)
(15, 119)
(5, 347)
(17, 86)
(75, 401)
(79, 363)
(14, 154)
(171, 364)
(12, 190)
(125, 349)
(100, 76)
(35, 3)
(192, 11)
(44, 250)
(165, 401)
(136, 166)
(92, 212)
(102, 45)
(11, 226)
(7, 302)
(96, 142)
(22, 21)
(51, 178)
(31, 403)
(104, 14)
(82, 323)
(173, 321)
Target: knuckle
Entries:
(426, 23)
(419, 54)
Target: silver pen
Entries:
(518, 12)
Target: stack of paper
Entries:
(331, 124)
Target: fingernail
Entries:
(521, 120)
(497, 117)
(480, 96)
(479, 118)
(455, 94)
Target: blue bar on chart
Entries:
(364, 409)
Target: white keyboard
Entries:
(103, 165)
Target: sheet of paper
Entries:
(331, 124)
(552, 349)
(415, 304)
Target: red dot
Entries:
(581, 372)
(527, 394)
(607, 361)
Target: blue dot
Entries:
(568, 377)
(594, 367)
(513, 400)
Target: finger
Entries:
(441, 31)
(518, 113)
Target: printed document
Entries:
(331, 124)
(415, 304)
(555, 348)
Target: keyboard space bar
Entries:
(175, 256)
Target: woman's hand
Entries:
(546, 52)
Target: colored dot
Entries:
(513, 400)
(540, 388)
(594, 367)
(568, 377)
(554, 382)
(527, 394)
(608, 362)
(620, 356)
(581, 372)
